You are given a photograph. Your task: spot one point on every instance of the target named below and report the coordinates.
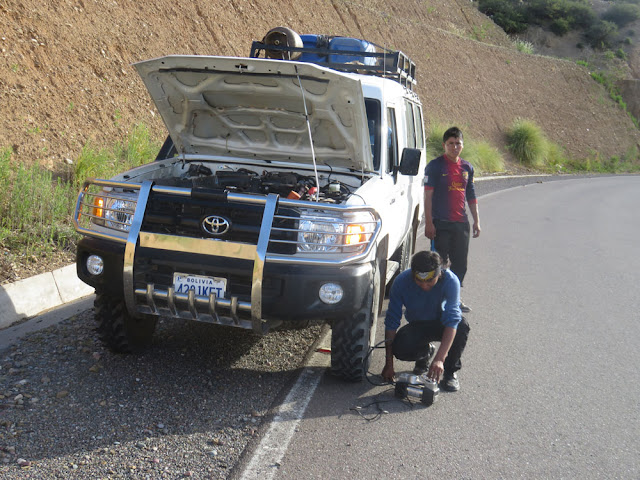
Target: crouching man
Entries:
(430, 296)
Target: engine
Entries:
(289, 185)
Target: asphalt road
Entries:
(550, 383)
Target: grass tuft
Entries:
(528, 143)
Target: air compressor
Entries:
(418, 386)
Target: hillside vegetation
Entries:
(67, 85)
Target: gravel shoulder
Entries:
(186, 408)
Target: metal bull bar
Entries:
(256, 253)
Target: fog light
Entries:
(95, 265)
(330, 293)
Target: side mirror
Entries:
(410, 161)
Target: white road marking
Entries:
(267, 456)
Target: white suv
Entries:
(287, 192)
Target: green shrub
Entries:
(580, 15)
(622, 14)
(36, 211)
(528, 143)
(508, 14)
(524, 46)
(139, 149)
(434, 139)
(621, 54)
(560, 26)
(483, 156)
(601, 34)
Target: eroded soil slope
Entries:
(66, 75)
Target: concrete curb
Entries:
(32, 296)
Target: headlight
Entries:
(319, 234)
(327, 234)
(118, 213)
(114, 210)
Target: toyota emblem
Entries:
(215, 225)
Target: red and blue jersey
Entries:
(452, 184)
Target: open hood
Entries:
(250, 107)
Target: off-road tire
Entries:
(353, 336)
(119, 331)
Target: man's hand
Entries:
(430, 230)
(435, 370)
(388, 373)
(476, 230)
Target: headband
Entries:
(426, 276)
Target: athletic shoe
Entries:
(464, 308)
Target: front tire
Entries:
(353, 336)
(119, 331)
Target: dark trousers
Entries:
(452, 242)
(412, 342)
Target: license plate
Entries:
(201, 285)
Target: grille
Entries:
(183, 216)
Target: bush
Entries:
(483, 156)
(515, 16)
(528, 143)
(434, 139)
(139, 149)
(508, 14)
(560, 27)
(622, 14)
(524, 46)
(35, 209)
(600, 34)
(580, 15)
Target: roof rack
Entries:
(382, 62)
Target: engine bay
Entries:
(290, 185)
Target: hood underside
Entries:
(249, 107)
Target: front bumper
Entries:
(289, 291)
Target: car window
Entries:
(410, 121)
(373, 122)
(392, 140)
(419, 126)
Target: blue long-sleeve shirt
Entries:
(441, 303)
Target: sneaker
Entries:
(450, 382)
(464, 308)
(422, 365)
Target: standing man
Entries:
(429, 294)
(448, 185)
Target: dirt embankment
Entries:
(66, 75)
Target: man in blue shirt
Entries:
(430, 297)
